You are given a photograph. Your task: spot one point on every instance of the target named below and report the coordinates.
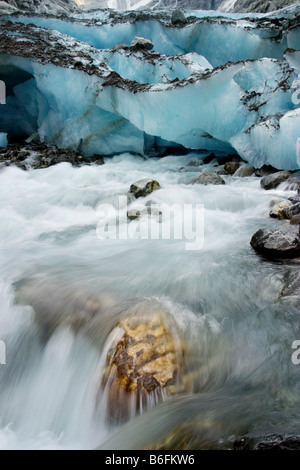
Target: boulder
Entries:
(273, 180)
(295, 220)
(278, 211)
(210, 177)
(196, 162)
(244, 171)
(178, 17)
(265, 170)
(231, 167)
(276, 243)
(291, 210)
(141, 362)
(139, 43)
(144, 187)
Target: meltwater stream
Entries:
(222, 298)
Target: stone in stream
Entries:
(58, 304)
(291, 210)
(144, 187)
(273, 180)
(143, 361)
(271, 441)
(295, 220)
(276, 243)
(244, 171)
(291, 287)
(278, 210)
(231, 167)
(207, 178)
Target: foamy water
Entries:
(223, 299)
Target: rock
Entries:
(178, 17)
(229, 158)
(291, 211)
(276, 243)
(265, 170)
(119, 47)
(144, 187)
(210, 158)
(291, 286)
(295, 199)
(269, 442)
(293, 184)
(136, 213)
(244, 171)
(195, 162)
(97, 160)
(39, 156)
(57, 304)
(139, 43)
(295, 220)
(208, 178)
(272, 181)
(277, 212)
(143, 360)
(231, 167)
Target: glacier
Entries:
(217, 84)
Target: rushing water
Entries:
(222, 298)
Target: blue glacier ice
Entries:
(217, 84)
(3, 139)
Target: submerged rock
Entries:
(274, 180)
(208, 178)
(144, 187)
(291, 286)
(295, 220)
(276, 243)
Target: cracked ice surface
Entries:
(214, 84)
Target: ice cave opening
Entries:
(19, 116)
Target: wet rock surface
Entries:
(145, 358)
(40, 156)
(274, 180)
(276, 243)
(269, 442)
(207, 178)
(144, 187)
(291, 285)
(244, 171)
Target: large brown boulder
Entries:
(142, 363)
